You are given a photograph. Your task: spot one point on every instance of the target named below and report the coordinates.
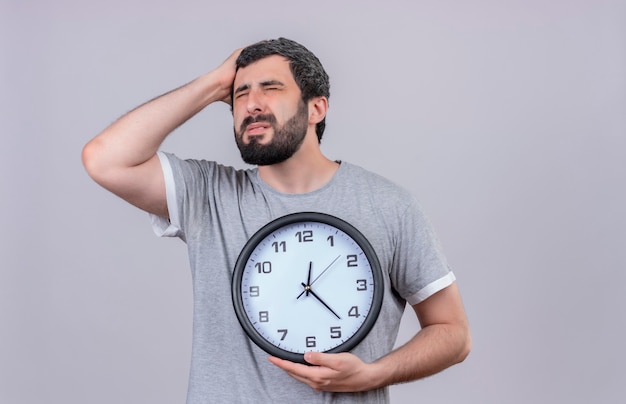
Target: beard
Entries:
(285, 143)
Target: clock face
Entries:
(307, 282)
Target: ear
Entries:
(318, 107)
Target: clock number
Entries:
(331, 240)
(279, 246)
(254, 291)
(354, 312)
(335, 332)
(305, 236)
(264, 267)
(284, 332)
(264, 316)
(310, 342)
(352, 260)
(361, 285)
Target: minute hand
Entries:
(329, 265)
(323, 302)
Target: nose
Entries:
(255, 102)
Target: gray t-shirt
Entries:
(216, 209)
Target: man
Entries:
(279, 93)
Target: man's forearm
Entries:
(433, 349)
(430, 351)
(135, 137)
(443, 341)
(122, 158)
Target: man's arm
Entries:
(443, 341)
(123, 159)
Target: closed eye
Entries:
(241, 90)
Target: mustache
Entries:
(269, 118)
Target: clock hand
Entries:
(308, 282)
(309, 290)
(330, 265)
(307, 287)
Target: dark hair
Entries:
(306, 68)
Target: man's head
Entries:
(306, 68)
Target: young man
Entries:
(279, 93)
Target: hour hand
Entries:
(307, 287)
(308, 280)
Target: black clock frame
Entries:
(289, 219)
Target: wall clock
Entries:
(307, 282)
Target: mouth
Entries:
(257, 128)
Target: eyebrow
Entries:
(241, 88)
(266, 83)
(269, 83)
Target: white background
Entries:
(507, 119)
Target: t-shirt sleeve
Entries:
(420, 267)
(172, 226)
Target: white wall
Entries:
(506, 118)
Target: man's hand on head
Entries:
(225, 74)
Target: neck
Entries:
(306, 171)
